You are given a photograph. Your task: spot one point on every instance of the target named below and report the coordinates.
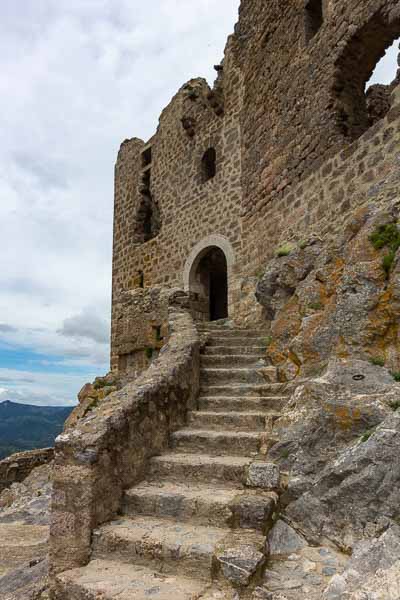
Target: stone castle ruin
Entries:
(245, 443)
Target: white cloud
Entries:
(386, 69)
(77, 79)
(86, 325)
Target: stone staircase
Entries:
(195, 529)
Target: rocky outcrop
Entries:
(336, 297)
(24, 532)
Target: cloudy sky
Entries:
(76, 78)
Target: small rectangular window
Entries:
(146, 157)
(314, 18)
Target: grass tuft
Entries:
(386, 236)
(285, 250)
(378, 361)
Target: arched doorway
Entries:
(208, 274)
(210, 281)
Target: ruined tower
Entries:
(268, 155)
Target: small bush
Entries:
(388, 260)
(303, 245)
(285, 250)
(386, 236)
(395, 405)
(99, 383)
(267, 341)
(285, 454)
(395, 375)
(378, 361)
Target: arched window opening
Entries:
(359, 104)
(385, 77)
(147, 222)
(314, 18)
(209, 164)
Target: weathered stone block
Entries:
(264, 475)
(240, 563)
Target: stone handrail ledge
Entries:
(108, 451)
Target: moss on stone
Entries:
(285, 250)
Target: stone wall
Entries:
(322, 203)
(140, 327)
(304, 87)
(108, 451)
(17, 467)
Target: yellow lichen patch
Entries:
(341, 348)
(346, 418)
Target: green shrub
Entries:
(395, 405)
(267, 341)
(388, 260)
(378, 361)
(285, 454)
(303, 245)
(285, 250)
(99, 383)
(395, 375)
(386, 236)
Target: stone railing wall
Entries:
(108, 451)
(17, 467)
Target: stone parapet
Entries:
(109, 450)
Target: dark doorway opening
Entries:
(211, 283)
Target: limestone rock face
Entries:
(373, 571)
(357, 495)
(326, 414)
(334, 298)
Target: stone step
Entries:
(236, 404)
(233, 350)
(220, 376)
(232, 360)
(228, 421)
(199, 468)
(109, 580)
(217, 443)
(243, 389)
(163, 544)
(238, 341)
(197, 503)
(217, 506)
(233, 333)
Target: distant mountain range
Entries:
(26, 427)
